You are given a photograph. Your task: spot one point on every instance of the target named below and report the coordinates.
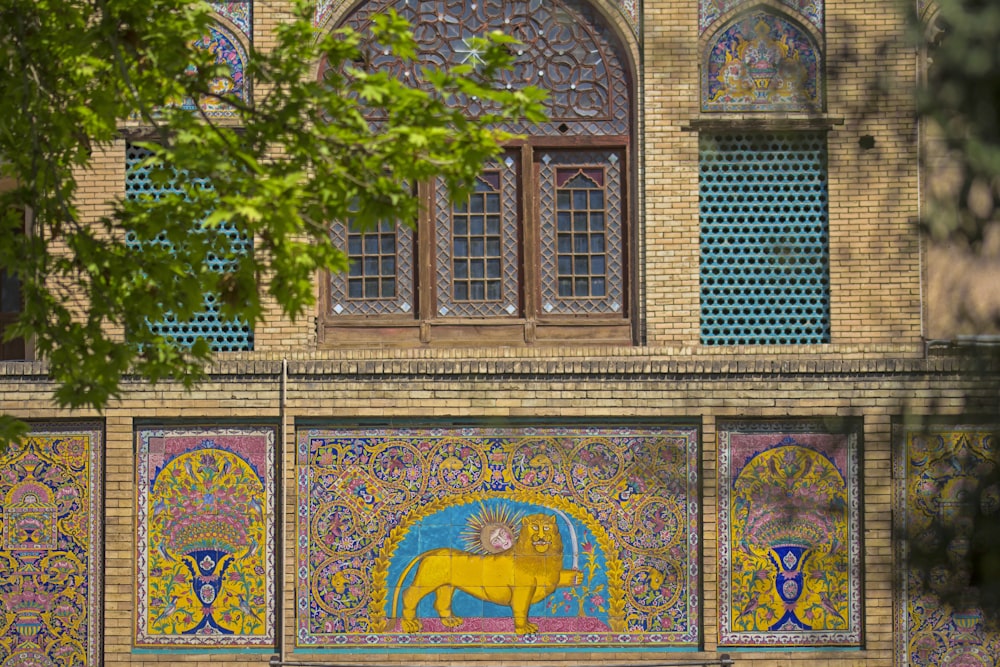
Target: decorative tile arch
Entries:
(710, 11)
(239, 13)
(762, 60)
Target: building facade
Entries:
(676, 381)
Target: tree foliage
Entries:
(77, 73)
(958, 101)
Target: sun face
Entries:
(491, 530)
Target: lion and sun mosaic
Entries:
(516, 537)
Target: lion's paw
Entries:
(452, 621)
(411, 625)
(528, 628)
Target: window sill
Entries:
(343, 333)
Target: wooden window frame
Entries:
(531, 325)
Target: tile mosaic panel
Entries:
(526, 538)
(205, 536)
(940, 469)
(789, 535)
(762, 62)
(710, 11)
(50, 557)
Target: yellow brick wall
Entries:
(875, 368)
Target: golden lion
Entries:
(516, 578)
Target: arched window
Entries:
(539, 252)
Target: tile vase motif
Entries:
(423, 538)
(762, 62)
(789, 535)
(50, 559)
(205, 536)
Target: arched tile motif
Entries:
(762, 61)
(205, 536)
(709, 11)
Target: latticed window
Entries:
(764, 242)
(221, 334)
(539, 249)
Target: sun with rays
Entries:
(491, 530)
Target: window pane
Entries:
(478, 236)
(580, 245)
(10, 293)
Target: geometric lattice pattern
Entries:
(477, 246)
(948, 497)
(420, 539)
(580, 201)
(51, 525)
(222, 335)
(568, 49)
(205, 536)
(628, 8)
(789, 535)
(764, 239)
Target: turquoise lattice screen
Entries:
(223, 335)
(764, 238)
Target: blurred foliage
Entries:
(299, 155)
(959, 102)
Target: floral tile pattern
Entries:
(238, 13)
(946, 475)
(50, 556)
(205, 536)
(789, 535)
(518, 537)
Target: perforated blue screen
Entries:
(764, 243)
(222, 335)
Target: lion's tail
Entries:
(399, 583)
